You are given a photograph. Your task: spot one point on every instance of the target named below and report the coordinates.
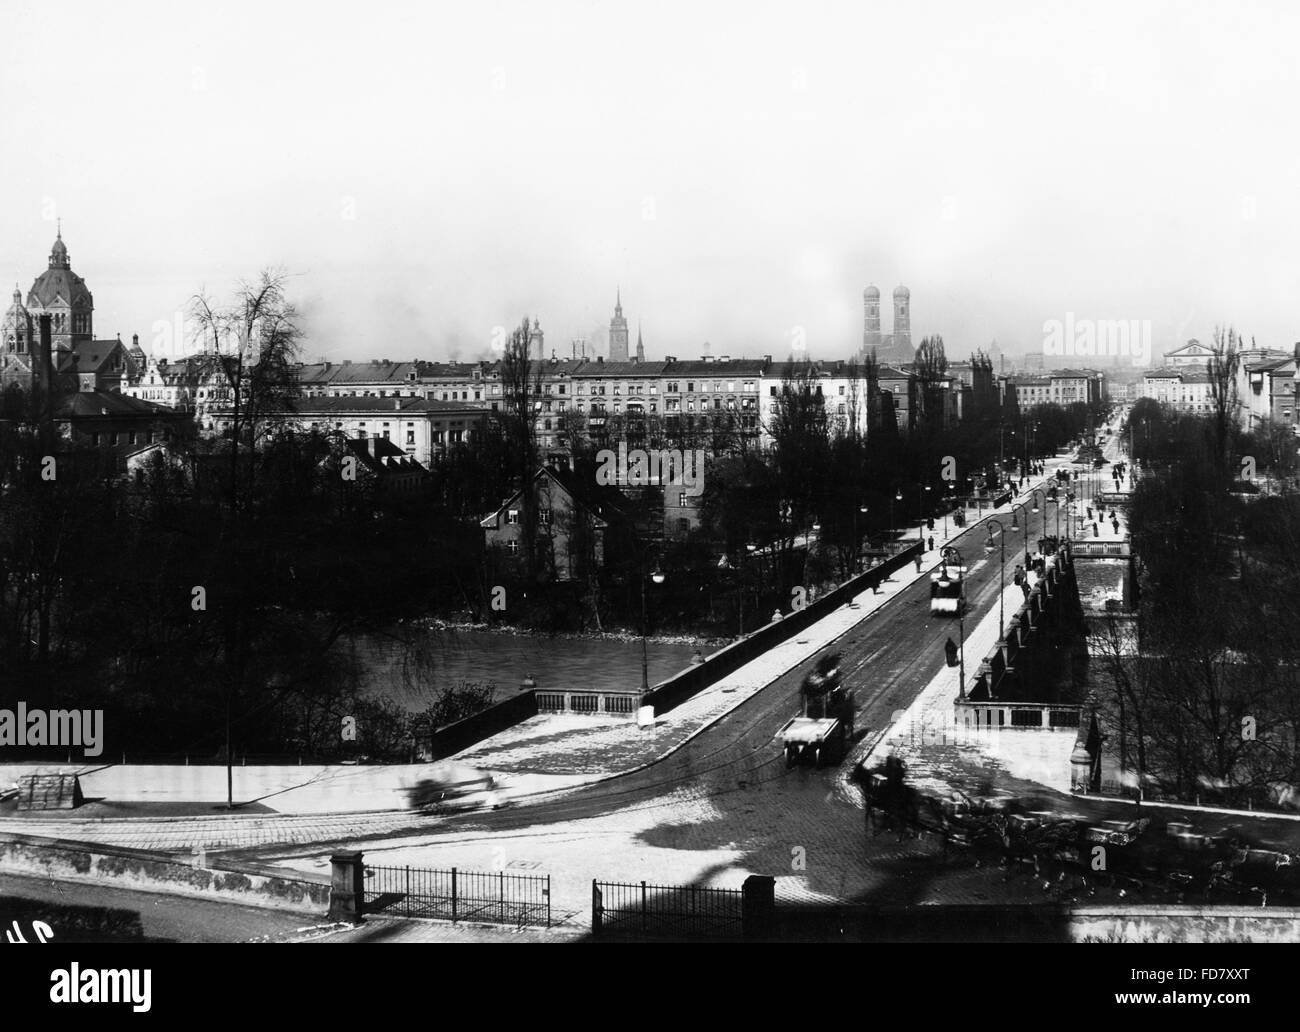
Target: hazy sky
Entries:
(430, 171)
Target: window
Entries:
(544, 516)
(690, 388)
(512, 517)
(772, 391)
(410, 437)
(681, 500)
(512, 547)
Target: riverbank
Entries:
(698, 641)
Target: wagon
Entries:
(820, 738)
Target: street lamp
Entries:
(896, 497)
(1021, 507)
(920, 514)
(658, 577)
(1033, 496)
(961, 616)
(1002, 570)
(749, 547)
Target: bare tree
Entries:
(1222, 367)
(521, 386)
(254, 340)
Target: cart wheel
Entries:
(791, 754)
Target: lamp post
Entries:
(1033, 497)
(749, 547)
(658, 577)
(920, 512)
(961, 617)
(1020, 506)
(896, 497)
(1002, 570)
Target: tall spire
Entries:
(59, 252)
(640, 348)
(618, 301)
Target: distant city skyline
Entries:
(426, 176)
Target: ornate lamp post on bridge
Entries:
(1002, 567)
(1033, 497)
(948, 552)
(1021, 507)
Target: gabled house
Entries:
(578, 523)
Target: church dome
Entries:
(59, 281)
(901, 291)
(872, 293)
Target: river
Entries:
(502, 659)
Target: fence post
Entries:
(453, 895)
(597, 909)
(408, 890)
(758, 906)
(548, 901)
(645, 917)
(502, 897)
(347, 886)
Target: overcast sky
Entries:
(427, 172)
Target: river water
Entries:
(503, 659)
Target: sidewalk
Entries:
(941, 755)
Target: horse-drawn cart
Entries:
(824, 727)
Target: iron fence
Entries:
(679, 911)
(451, 894)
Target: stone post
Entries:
(347, 886)
(758, 906)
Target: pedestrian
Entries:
(1115, 524)
(931, 544)
(1024, 587)
(918, 564)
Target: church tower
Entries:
(62, 295)
(870, 319)
(618, 332)
(17, 345)
(903, 322)
(640, 348)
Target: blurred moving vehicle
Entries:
(825, 724)
(454, 786)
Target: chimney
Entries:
(397, 403)
(45, 372)
(135, 340)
